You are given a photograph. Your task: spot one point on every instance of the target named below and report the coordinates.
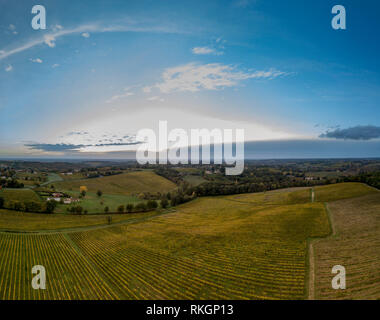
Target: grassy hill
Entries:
(124, 184)
(19, 195)
(342, 191)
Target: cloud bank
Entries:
(354, 133)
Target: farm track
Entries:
(311, 254)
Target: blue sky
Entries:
(102, 70)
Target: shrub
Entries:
(164, 203)
(152, 204)
(140, 207)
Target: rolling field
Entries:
(123, 184)
(250, 246)
(342, 191)
(19, 195)
(355, 245)
(221, 253)
(22, 221)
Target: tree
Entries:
(83, 193)
(33, 206)
(120, 208)
(106, 209)
(129, 207)
(151, 204)
(78, 209)
(164, 203)
(141, 206)
(99, 193)
(1, 202)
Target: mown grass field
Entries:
(251, 246)
(123, 184)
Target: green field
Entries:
(122, 184)
(247, 246)
(194, 180)
(342, 191)
(19, 195)
(94, 204)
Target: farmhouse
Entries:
(70, 200)
(54, 198)
(57, 194)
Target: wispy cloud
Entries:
(49, 39)
(353, 133)
(193, 77)
(156, 98)
(8, 68)
(202, 50)
(85, 35)
(37, 60)
(215, 48)
(119, 97)
(59, 31)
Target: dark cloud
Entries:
(354, 133)
(53, 147)
(61, 147)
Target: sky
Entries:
(103, 70)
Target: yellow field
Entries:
(355, 245)
(342, 191)
(22, 221)
(209, 250)
(69, 275)
(125, 183)
(252, 246)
